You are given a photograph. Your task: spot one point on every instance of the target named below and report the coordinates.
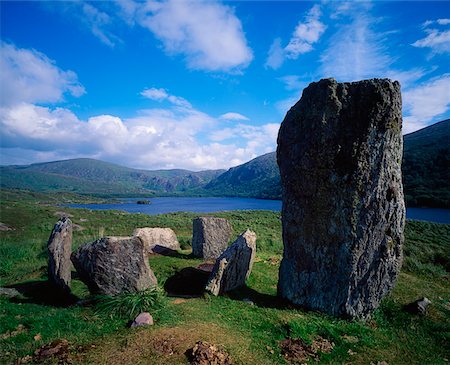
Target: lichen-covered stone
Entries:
(210, 236)
(114, 265)
(234, 266)
(59, 248)
(339, 154)
(157, 239)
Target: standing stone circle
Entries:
(210, 236)
(157, 239)
(59, 248)
(339, 154)
(234, 266)
(114, 265)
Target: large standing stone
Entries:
(59, 248)
(157, 239)
(234, 266)
(113, 265)
(210, 236)
(339, 154)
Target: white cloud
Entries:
(292, 82)
(436, 40)
(161, 94)
(207, 33)
(425, 102)
(355, 52)
(275, 56)
(30, 76)
(306, 34)
(98, 21)
(443, 21)
(233, 116)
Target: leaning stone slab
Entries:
(339, 154)
(157, 239)
(59, 248)
(114, 265)
(234, 266)
(210, 236)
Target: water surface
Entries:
(210, 205)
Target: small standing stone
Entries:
(157, 239)
(210, 236)
(59, 249)
(419, 306)
(234, 266)
(143, 319)
(114, 265)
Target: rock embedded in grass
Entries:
(234, 266)
(114, 265)
(59, 248)
(210, 236)
(339, 154)
(157, 239)
(143, 319)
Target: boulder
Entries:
(343, 216)
(114, 265)
(234, 266)
(59, 248)
(210, 236)
(157, 240)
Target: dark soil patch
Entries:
(188, 282)
(204, 353)
(297, 351)
(167, 346)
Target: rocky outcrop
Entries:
(210, 236)
(234, 266)
(113, 265)
(339, 154)
(59, 248)
(157, 239)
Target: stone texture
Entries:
(339, 154)
(234, 266)
(210, 236)
(113, 265)
(419, 306)
(157, 239)
(143, 319)
(59, 248)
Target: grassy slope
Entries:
(249, 333)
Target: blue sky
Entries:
(200, 84)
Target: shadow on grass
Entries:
(164, 251)
(189, 282)
(259, 299)
(44, 293)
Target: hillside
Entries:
(91, 176)
(426, 173)
(259, 178)
(426, 166)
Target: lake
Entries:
(210, 205)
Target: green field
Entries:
(249, 333)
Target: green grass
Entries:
(250, 333)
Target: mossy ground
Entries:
(250, 333)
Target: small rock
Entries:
(9, 292)
(143, 319)
(4, 227)
(204, 353)
(37, 337)
(234, 266)
(419, 306)
(157, 240)
(210, 236)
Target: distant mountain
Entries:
(426, 166)
(426, 170)
(89, 176)
(259, 178)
